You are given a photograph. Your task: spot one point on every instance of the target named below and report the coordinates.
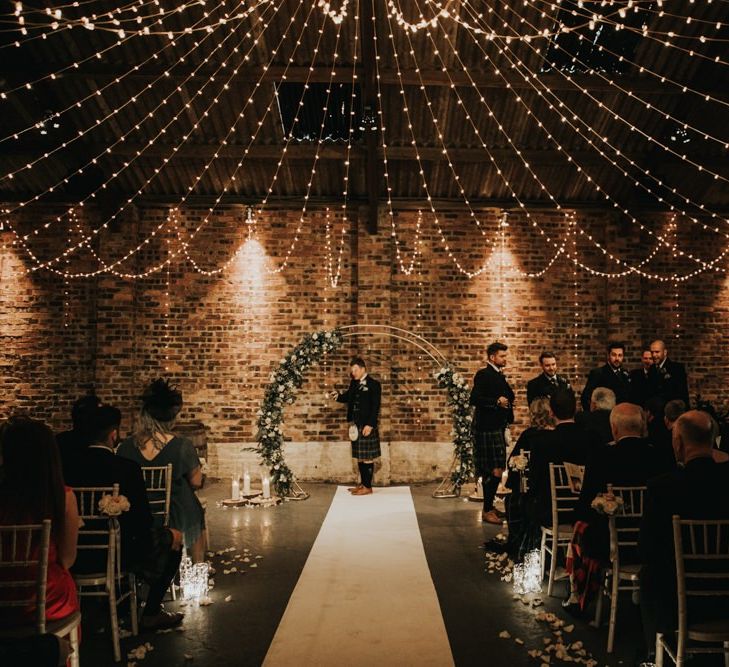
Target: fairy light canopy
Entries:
(617, 104)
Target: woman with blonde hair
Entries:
(154, 443)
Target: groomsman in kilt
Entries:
(493, 399)
(548, 381)
(363, 411)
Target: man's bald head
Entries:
(693, 436)
(627, 421)
(658, 351)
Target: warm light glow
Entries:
(528, 575)
(250, 265)
(194, 579)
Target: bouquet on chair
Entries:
(520, 463)
(113, 505)
(607, 503)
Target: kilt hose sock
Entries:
(490, 484)
(366, 472)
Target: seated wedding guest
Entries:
(154, 553)
(640, 379)
(699, 489)
(719, 454)
(71, 443)
(32, 490)
(155, 444)
(524, 535)
(567, 442)
(597, 420)
(671, 412)
(631, 461)
(655, 410)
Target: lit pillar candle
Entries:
(235, 488)
(266, 487)
(246, 483)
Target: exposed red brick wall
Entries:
(223, 334)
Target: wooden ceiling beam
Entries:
(27, 151)
(398, 203)
(435, 77)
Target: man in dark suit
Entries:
(697, 490)
(74, 442)
(548, 381)
(567, 442)
(153, 553)
(631, 461)
(597, 421)
(667, 378)
(363, 398)
(612, 375)
(493, 399)
(640, 379)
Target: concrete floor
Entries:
(476, 606)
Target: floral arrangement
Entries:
(607, 504)
(285, 381)
(113, 505)
(519, 462)
(281, 391)
(458, 396)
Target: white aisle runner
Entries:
(365, 596)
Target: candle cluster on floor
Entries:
(194, 579)
(528, 575)
(556, 647)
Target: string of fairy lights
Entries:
(225, 22)
(72, 248)
(56, 116)
(630, 268)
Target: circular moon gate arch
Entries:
(287, 379)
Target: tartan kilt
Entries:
(489, 451)
(367, 448)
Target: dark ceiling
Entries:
(231, 104)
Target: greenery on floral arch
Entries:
(285, 381)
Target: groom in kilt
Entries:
(493, 399)
(363, 411)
